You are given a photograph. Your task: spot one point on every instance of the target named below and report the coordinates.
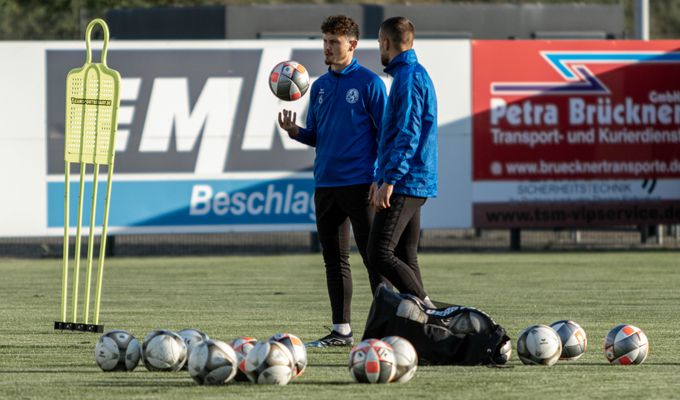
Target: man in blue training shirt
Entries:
(343, 121)
(407, 161)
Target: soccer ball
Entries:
(539, 345)
(117, 351)
(270, 363)
(164, 350)
(296, 348)
(372, 361)
(212, 362)
(573, 338)
(503, 353)
(405, 356)
(626, 344)
(242, 347)
(192, 337)
(289, 80)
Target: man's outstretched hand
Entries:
(287, 123)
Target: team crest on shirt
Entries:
(352, 96)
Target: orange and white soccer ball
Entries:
(242, 347)
(625, 345)
(289, 80)
(372, 361)
(296, 348)
(405, 357)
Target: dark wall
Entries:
(167, 23)
(286, 21)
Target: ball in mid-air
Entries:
(289, 80)
(212, 362)
(372, 361)
(625, 345)
(270, 363)
(539, 345)
(164, 350)
(405, 357)
(242, 347)
(117, 350)
(573, 337)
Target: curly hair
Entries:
(340, 25)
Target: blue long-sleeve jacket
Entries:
(343, 123)
(407, 150)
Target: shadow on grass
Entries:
(334, 383)
(597, 364)
(343, 365)
(46, 371)
(127, 383)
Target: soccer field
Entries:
(228, 297)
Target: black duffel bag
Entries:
(449, 335)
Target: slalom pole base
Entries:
(77, 326)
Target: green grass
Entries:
(258, 296)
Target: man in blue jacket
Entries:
(407, 161)
(343, 121)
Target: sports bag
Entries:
(449, 335)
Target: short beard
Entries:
(384, 59)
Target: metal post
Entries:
(314, 244)
(659, 234)
(515, 239)
(642, 19)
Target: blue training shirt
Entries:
(343, 123)
(408, 144)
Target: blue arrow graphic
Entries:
(571, 66)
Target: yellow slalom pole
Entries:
(102, 247)
(64, 267)
(76, 267)
(90, 243)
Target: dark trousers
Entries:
(336, 209)
(393, 244)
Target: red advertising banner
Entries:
(565, 110)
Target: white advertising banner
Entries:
(198, 148)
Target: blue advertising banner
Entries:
(167, 203)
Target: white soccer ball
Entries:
(296, 348)
(372, 361)
(469, 321)
(573, 338)
(192, 337)
(625, 345)
(539, 345)
(117, 350)
(164, 350)
(503, 353)
(289, 80)
(212, 362)
(405, 356)
(270, 363)
(242, 347)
